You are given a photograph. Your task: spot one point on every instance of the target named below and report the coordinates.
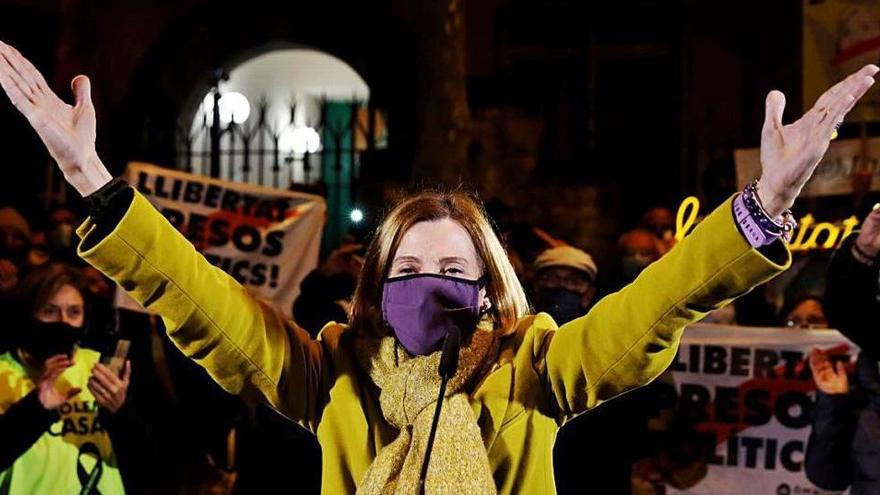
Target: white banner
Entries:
(267, 239)
(753, 392)
(835, 172)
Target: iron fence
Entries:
(256, 152)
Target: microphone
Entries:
(447, 368)
(449, 354)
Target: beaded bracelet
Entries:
(752, 203)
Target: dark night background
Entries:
(591, 113)
(572, 116)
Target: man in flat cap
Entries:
(564, 283)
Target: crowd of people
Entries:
(170, 429)
(99, 400)
(159, 422)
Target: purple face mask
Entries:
(421, 308)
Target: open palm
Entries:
(830, 377)
(50, 397)
(68, 131)
(790, 153)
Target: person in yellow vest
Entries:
(51, 392)
(369, 389)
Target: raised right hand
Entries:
(67, 131)
(49, 396)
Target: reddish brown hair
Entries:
(503, 289)
(43, 282)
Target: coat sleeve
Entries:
(851, 298)
(828, 461)
(21, 426)
(631, 336)
(244, 343)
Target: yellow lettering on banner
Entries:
(835, 234)
(848, 226)
(806, 236)
(690, 207)
(830, 241)
(798, 239)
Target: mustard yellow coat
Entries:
(544, 375)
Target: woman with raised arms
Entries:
(368, 389)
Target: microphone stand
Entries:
(447, 368)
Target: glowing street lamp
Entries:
(356, 215)
(234, 106)
(299, 140)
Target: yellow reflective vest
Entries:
(66, 457)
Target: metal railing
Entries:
(260, 152)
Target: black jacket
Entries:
(844, 446)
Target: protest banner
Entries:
(267, 239)
(751, 392)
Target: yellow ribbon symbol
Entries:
(689, 208)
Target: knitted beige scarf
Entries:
(409, 387)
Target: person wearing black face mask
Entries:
(563, 284)
(636, 249)
(52, 391)
(564, 288)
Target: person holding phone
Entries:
(368, 389)
(54, 394)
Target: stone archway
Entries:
(163, 86)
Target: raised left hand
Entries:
(109, 390)
(830, 377)
(868, 240)
(790, 153)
